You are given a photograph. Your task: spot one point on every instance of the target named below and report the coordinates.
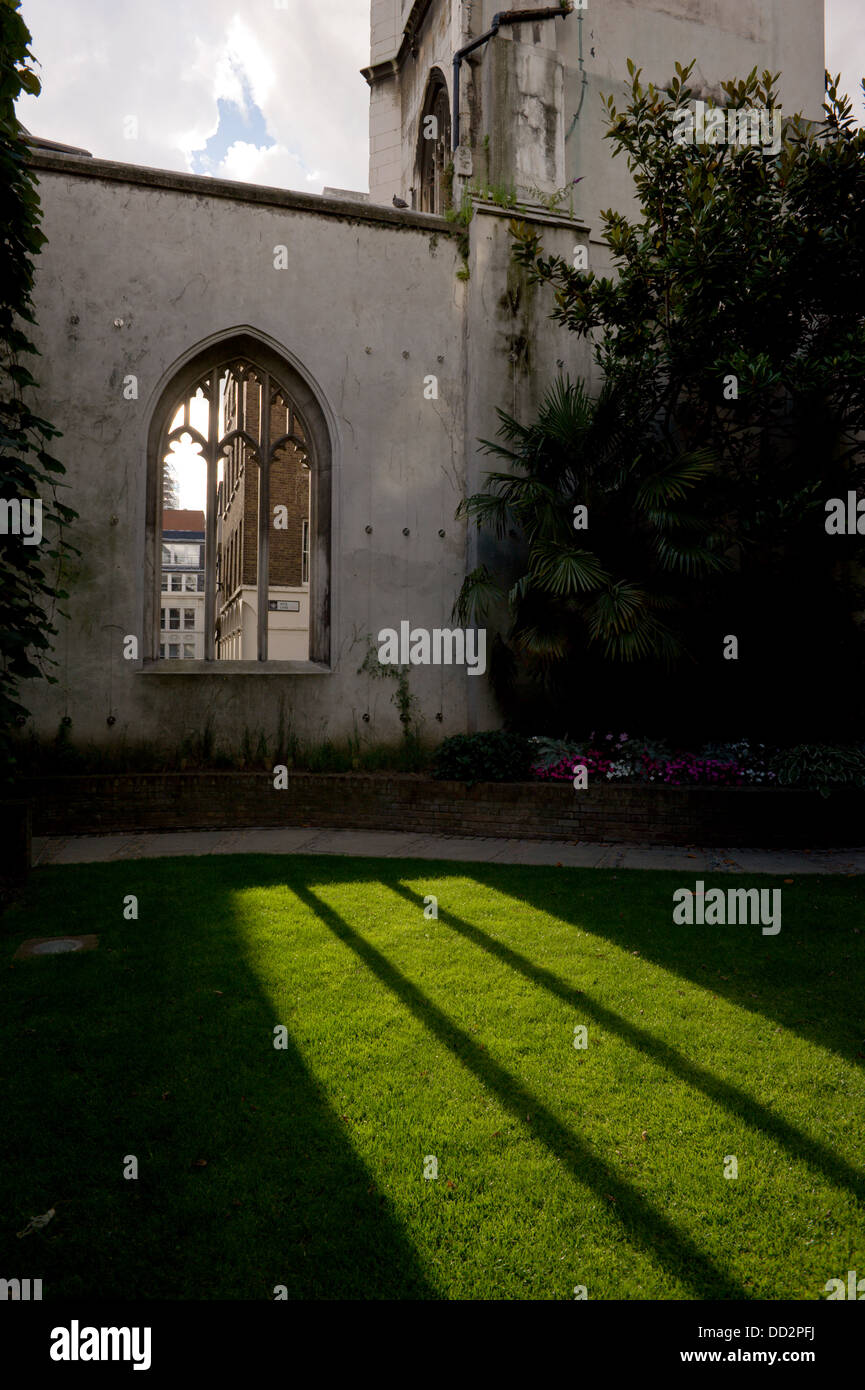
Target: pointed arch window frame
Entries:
(436, 89)
(275, 374)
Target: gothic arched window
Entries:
(434, 146)
(239, 513)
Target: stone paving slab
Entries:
(395, 844)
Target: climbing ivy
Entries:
(29, 573)
(402, 697)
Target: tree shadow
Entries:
(647, 1229)
(723, 1093)
(808, 978)
(247, 1178)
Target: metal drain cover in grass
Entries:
(55, 946)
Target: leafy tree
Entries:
(732, 346)
(28, 589)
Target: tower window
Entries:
(434, 147)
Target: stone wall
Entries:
(707, 816)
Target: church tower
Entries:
(530, 94)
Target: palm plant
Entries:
(607, 586)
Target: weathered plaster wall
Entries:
(369, 306)
(523, 88)
(514, 351)
(726, 37)
(398, 90)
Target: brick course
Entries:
(706, 816)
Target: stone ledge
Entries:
(169, 181)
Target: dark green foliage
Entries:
(706, 513)
(820, 767)
(489, 757)
(30, 575)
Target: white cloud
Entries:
(275, 166)
(168, 63)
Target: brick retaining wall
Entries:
(745, 816)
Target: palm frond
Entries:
(540, 644)
(617, 609)
(693, 560)
(490, 511)
(478, 594)
(562, 570)
(675, 479)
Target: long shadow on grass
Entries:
(160, 1045)
(809, 977)
(737, 1102)
(647, 1229)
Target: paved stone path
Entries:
(394, 844)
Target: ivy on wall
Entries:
(30, 566)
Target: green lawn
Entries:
(410, 1037)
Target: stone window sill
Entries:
(233, 668)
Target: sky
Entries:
(268, 91)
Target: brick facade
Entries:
(289, 487)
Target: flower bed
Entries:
(627, 759)
(741, 764)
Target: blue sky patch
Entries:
(236, 122)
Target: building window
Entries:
(162, 619)
(174, 619)
(189, 555)
(188, 619)
(189, 651)
(242, 432)
(174, 651)
(162, 651)
(434, 154)
(164, 583)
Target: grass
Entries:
(409, 1037)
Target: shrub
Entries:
(820, 766)
(489, 757)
